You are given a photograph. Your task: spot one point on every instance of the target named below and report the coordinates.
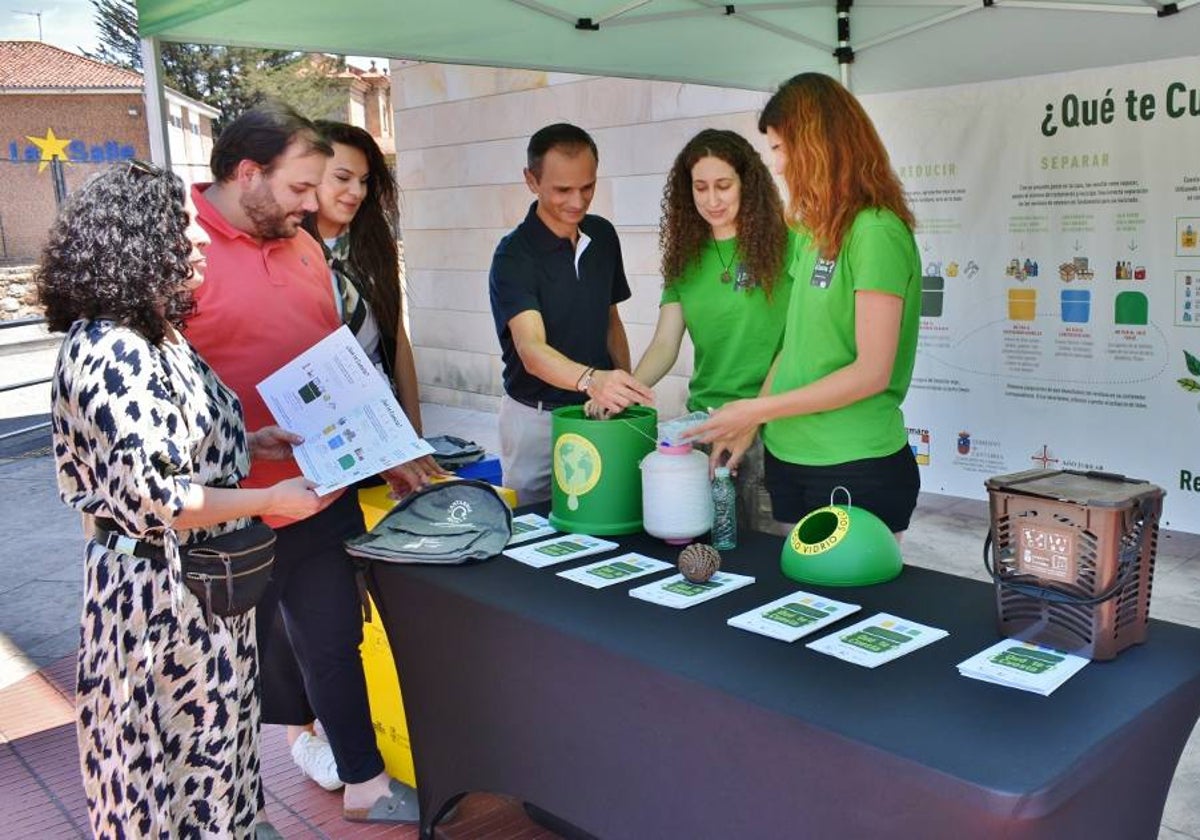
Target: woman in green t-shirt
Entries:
(831, 407)
(725, 250)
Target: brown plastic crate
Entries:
(1062, 538)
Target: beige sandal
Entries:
(400, 806)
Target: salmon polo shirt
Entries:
(262, 303)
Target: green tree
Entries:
(230, 79)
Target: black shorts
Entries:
(886, 486)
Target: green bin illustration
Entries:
(932, 292)
(1132, 309)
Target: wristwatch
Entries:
(585, 381)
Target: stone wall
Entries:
(461, 134)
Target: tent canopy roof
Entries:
(897, 44)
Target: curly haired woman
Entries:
(832, 411)
(150, 443)
(726, 249)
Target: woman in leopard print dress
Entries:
(150, 442)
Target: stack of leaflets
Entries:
(530, 526)
(876, 640)
(604, 573)
(677, 592)
(793, 616)
(1024, 665)
(559, 550)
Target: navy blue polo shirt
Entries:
(533, 268)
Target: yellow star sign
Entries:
(51, 146)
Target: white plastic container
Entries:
(676, 497)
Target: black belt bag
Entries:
(228, 573)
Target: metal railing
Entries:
(23, 322)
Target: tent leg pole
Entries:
(844, 72)
(156, 105)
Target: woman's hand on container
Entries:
(594, 411)
(296, 498)
(730, 430)
(616, 390)
(271, 443)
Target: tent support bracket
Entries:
(156, 103)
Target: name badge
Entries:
(822, 273)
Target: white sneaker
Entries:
(314, 757)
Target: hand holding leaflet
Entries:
(336, 400)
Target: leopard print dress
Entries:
(167, 697)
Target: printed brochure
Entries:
(793, 616)
(621, 568)
(876, 640)
(559, 550)
(678, 593)
(352, 425)
(1024, 665)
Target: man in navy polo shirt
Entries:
(555, 284)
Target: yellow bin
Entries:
(383, 686)
(1022, 304)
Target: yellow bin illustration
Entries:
(1022, 304)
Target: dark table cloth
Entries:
(629, 719)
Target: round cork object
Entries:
(699, 561)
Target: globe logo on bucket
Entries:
(577, 466)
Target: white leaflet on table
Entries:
(678, 593)
(1023, 665)
(619, 569)
(793, 616)
(878, 639)
(530, 526)
(559, 550)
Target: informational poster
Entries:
(352, 425)
(1058, 220)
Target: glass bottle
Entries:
(724, 529)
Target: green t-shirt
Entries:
(735, 330)
(879, 254)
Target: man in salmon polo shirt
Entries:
(267, 297)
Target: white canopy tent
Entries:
(873, 45)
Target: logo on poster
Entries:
(1044, 458)
(918, 441)
(964, 443)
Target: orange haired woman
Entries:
(831, 405)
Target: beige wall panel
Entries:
(455, 291)
(467, 249)
(473, 332)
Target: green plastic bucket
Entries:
(596, 486)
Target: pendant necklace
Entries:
(725, 275)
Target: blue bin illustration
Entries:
(1076, 306)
